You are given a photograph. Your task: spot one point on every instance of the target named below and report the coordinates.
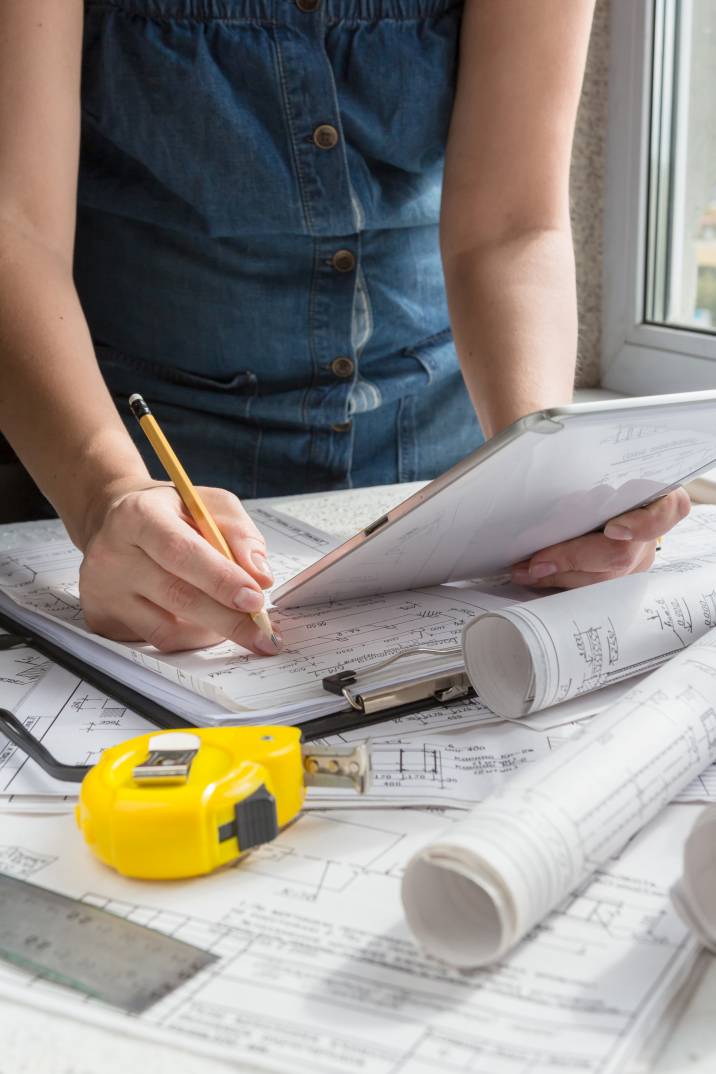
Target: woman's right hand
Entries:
(148, 574)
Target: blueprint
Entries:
(73, 719)
(457, 768)
(76, 722)
(473, 893)
(318, 972)
(693, 892)
(532, 655)
(456, 757)
(448, 757)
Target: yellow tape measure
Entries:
(181, 803)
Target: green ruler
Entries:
(91, 950)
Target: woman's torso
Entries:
(257, 233)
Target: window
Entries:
(660, 222)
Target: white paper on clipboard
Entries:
(551, 476)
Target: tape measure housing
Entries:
(242, 786)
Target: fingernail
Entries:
(261, 563)
(520, 575)
(249, 600)
(268, 646)
(542, 570)
(617, 533)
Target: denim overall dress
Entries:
(257, 241)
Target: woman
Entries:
(256, 250)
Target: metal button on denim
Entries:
(325, 136)
(343, 366)
(308, 5)
(343, 261)
(341, 427)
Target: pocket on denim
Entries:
(242, 382)
(436, 354)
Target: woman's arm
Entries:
(146, 573)
(54, 407)
(505, 227)
(507, 244)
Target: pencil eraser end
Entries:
(138, 407)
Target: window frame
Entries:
(638, 358)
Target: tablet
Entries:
(551, 476)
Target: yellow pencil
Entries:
(191, 498)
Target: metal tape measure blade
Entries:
(92, 950)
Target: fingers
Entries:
(243, 537)
(184, 602)
(627, 545)
(648, 523)
(574, 579)
(169, 613)
(593, 554)
(144, 621)
(178, 549)
(164, 583)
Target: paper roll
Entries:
(694, 896)
(474, 893)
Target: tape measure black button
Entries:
(256, 821)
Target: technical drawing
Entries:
(21, 862)
(22, 667)
(324, 990)
(627, 433)
(316, 969)
(36, 566)
(61, 602)
(73, 719)
(329, 858)
(708, 608)
(419, 764)
(622, 915)
(673, 615)
(588, 642)
(317, 641)
(15, 573)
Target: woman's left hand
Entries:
(627, 544)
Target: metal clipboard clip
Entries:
(440, 687)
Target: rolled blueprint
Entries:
(529, 656)
(474, 893)
(694, 896)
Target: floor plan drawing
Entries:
(319, 972)
(73, 719)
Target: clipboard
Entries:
(368, 705)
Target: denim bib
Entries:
(257, 245)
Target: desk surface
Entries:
(34, 1040)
